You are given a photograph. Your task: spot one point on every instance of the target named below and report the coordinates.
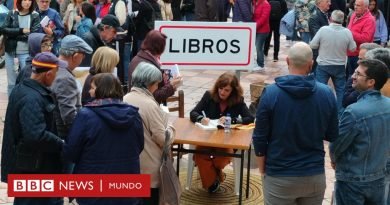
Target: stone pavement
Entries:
(195, 84)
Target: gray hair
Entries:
(337, 16)
(145, 74)
(369, 46)
(300, 54)
(365, 2)
(382, 54)
(67, 52)
(318, 1)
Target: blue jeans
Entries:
(387, 192)
(126, 60)
(260, 41)
(305, 36)
(337, 74)
(11, 72)
(356, 193)
(188, 16)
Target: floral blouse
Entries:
(303, 11)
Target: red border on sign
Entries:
(213, 27)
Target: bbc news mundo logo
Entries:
(33, 185)
(79, 185)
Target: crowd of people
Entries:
(55, 125)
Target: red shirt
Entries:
(261, 13)
(362, 29)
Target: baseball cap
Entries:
(111, 20)
(43, 62)
(76, 44)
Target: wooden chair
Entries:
(179, 107)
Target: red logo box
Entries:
(79, 185)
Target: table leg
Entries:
(241, 176)
(178, 159)
(248, 172)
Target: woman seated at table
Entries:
(145, 79)
(226, 97)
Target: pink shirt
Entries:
(363, 30)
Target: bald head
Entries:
(300, 56)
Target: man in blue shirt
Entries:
(360, 153)
(295, 115)
(54, 27)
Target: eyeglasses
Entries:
(357, 73)
(47, 45)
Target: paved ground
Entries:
(195, 84)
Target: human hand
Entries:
(48, 30)
(205, 121)
(175, 82)
(77, 18)
(222, 120)
(26, 30)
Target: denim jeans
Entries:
(387, 188)
(307, 190)
(260, 41)
(305, 36)
(356, 193)
(188, 16)
(337, 74)
(11, 72)
(126, 60)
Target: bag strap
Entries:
(165, 152)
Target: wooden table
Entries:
(188, 133)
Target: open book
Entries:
(213, 125)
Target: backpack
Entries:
(276, 10)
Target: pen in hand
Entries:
(205, 120)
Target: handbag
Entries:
(170, 189)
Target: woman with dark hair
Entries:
(381, 33)
(16, 28)
(152, 48)
(106, 137)
(88, 18)
(226, 97)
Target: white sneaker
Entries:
(258, 69)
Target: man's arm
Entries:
(314, 23)
(347, 133)
(34, 127)
(262, 131)
(66, 92)
(315, 42)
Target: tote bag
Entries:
(170, 189)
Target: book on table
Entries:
(213, 125)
